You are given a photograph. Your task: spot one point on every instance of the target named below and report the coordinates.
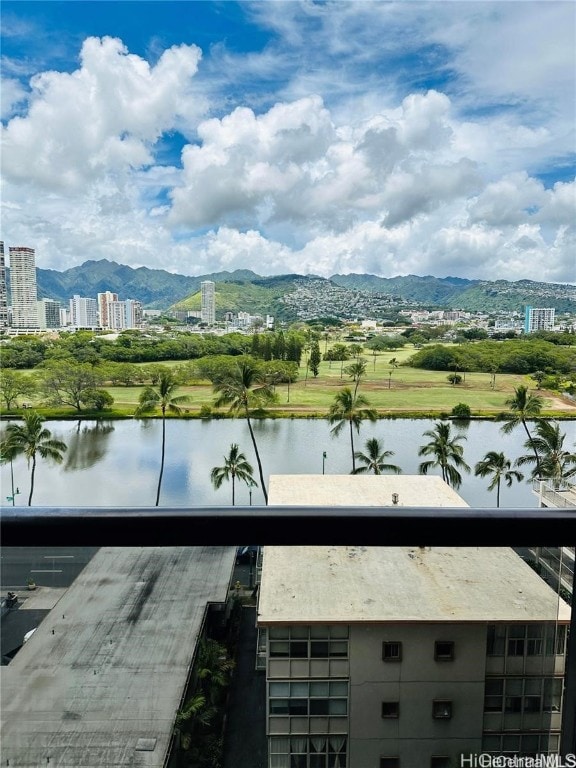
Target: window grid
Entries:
(311, 751)
(526, 640)
(309, 698)
(521, 744)
(308, 642)
(391, 650)
(517, 695)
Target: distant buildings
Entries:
(208, 302)
(49, 313)
(538, 319)
(404, 656)
(23, 288)
(83, 312)
(104, 299)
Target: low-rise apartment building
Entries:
(404, 656)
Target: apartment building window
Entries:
(390, 709)
(440, 761)
(522, 744)
(314, 698)
(444, 650)
(392, 651)
(531, 694)
(441, 709)
(525, 640)
(308, 751)
(319, 642)
(389, 762)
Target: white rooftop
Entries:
(401, 584)
(101, 679)
(311, 584)
(362, 491)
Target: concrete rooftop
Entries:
(387, 584)
(362, 491)
(100, 681)
(401, 584)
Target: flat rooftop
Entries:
(362, 491)
(100, 681)
(325, 585)
(311, 584)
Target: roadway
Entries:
(47, 566)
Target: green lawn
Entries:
(391, 390)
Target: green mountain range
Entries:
(284, 295)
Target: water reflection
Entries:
(117, 465)
(87, 445)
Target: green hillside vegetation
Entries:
(258, 297)
(159, 289)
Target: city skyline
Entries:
(417, 138)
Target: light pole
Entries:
(14, 492)
(323, 461)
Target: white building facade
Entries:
(539, 319)
(83, 312)
(23, 287)
(208, 302)
(3, 290)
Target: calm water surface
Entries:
(116, 464)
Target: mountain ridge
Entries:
(160, 289)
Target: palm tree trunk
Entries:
(32, 480)
(262, 483)
(498, 493)
(533, 448)
(352, 446)
(233, 491)
(162, 459)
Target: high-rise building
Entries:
(83, 312)
(104, 300)
(23, 287)
(539, 319)
(208, 305)
(404, 656)
(49, 313)
(3, 290)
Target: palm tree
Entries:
(356, 371)
(352, 409)
(554, 462)
(245, 389)
(523, 406)
(497, 465)
(448, 454)
(374, 460)
(161, 396)
(235, 466)
(30, 439)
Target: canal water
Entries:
(116, 463)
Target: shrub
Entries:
(454, 378)
(461, 411)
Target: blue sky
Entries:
(313, 137)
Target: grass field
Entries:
(393, 391)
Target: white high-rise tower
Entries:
(23, 288)
(3, 291)
(208, 306)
